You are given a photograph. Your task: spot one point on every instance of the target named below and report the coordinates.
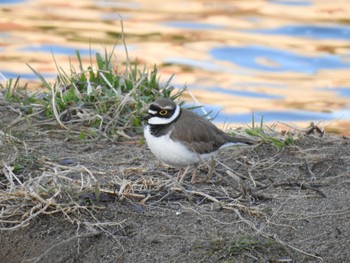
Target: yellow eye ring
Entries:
(163, 112)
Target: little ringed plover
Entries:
(179, 137)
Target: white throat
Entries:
(159, 121)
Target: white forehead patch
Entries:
(168, 107)
(160, 121)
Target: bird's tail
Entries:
(239, 139)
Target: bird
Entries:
(180, 138)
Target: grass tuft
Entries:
(99, 99)
(269, 134)
(245, 245)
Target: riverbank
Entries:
(68, 200)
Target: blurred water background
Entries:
(286, 60)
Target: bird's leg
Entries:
(178, 176)
(181, 175)
(194, 178)
(211, 170)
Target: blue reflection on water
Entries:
(342, 91)
(7, 2)
(4, 34)
(28, 76)
(291, 2)
(56, 49)
(244, 93)
(191, 25)
(282, 60)
(270, 116)
(309, 31)
(207, 65)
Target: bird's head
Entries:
(162, 111)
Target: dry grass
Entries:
(78, 191)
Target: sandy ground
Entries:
(65, 200)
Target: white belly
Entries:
(172, 153)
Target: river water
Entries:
(286, 60)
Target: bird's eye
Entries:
(163, 112)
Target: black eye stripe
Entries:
(154, 108)
(157, 108)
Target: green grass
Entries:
(247, 244)
(268, 134)
(15, 94)
(102, 98)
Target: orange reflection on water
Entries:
(180, 36)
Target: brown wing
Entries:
(199, 134)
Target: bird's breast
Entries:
(171, 152)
